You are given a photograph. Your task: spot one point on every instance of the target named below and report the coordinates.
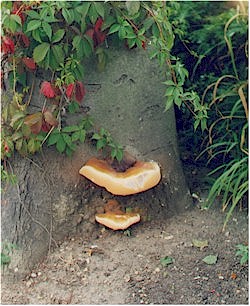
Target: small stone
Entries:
(169, 237)
(39, 273)
(127, 278)
(157, 270)
(221, 277)
(28, 283)
(197, 277)
(33, 275)
(16, 269)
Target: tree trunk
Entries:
(51, 200)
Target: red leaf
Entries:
(79, 91)
(143, 44)
(17, 10)
(47, 90)
(99, 37)
(98, 25)
(70, 90)
(90, 33)
(45, 126)
(96, 34)
(29, 62)
(25, 40)
(34, 121)
(22, 39)
(7, 45)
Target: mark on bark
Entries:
(93, 87)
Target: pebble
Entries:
(157, 270)
(221, 277)
(33, 275)
(127, 278)
(29, 283)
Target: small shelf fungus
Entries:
(140, 177)
(117, 221)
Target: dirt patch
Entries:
(124, 267)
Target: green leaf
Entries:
(82, 135)
(169, 91)
(167, 260)
(58, 53)
(61, 144)
(16, 117)
(73, 107)
(16, 18)
(47, 29)
(75, 136)
(210, 259)
(93, 15)
(58, 35)
(133, 7)
(31, 146)
(19, 135)
(99, 6)
(67, 139)
(33, 14)
(96, 136)
(119, 154)
(69, 151)
(169, 83)
(88, 45)
(36, 34)
(148, 22)
(68, 15)
(100, 144)
(114, 28)
(53, 139)
(83, 9)
(169, 103)
(40, 52)
(19, 144)
(201, 244)
(70, 128)
(33, 25)
(26, 130)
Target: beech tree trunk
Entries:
(51, 200)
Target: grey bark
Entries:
(52, 201)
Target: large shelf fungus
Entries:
(137, 178)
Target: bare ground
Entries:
(116, 267)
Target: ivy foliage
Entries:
(57, 37)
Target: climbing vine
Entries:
(51, 40)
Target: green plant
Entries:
(7, 177)
(242, 250)
(58, 37)
(216, 56)
(105, 140)
(6, 251)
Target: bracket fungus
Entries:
(140, 177)
(115, 218)
(117, 221)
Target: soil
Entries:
(125, 267)
(131, 266)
